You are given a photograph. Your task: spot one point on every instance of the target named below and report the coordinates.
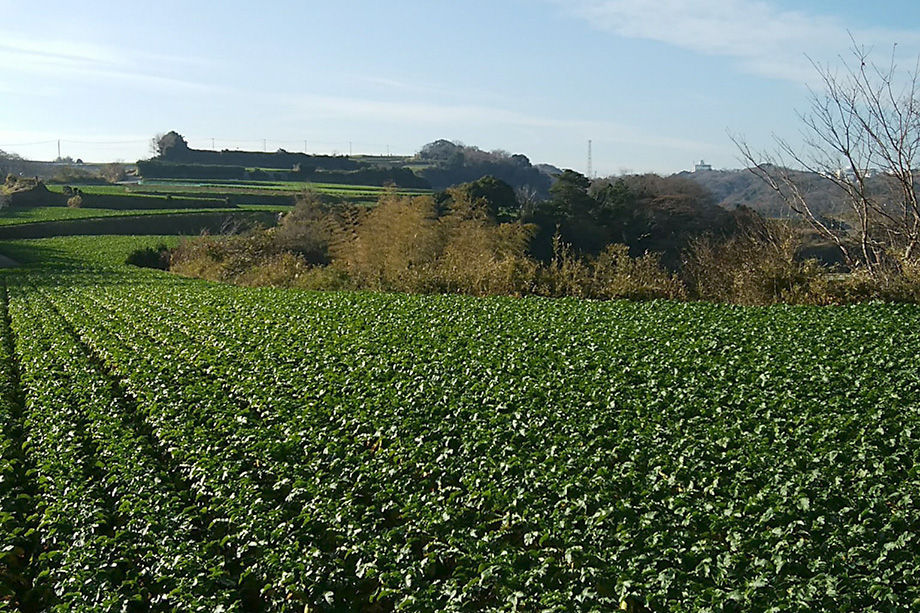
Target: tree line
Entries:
(636, 237)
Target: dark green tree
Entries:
(498, 196)
(569, 195)
(171, 145)
(572, 213)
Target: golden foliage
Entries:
(393, 246)
(758, 267)
(613, 274)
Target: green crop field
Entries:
(177, 445)
(93, 189)
(57, 213)
(54, 213)
(240, 192)
(220, 187)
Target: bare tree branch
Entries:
(862, 135)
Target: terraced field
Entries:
(56, 213)
(175, 206)
(240, 190)
(177, 445)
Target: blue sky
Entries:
(654, 85)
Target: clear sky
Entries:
(654, 84)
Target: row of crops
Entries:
(176, 445)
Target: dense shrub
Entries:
(150, 257)
(392, 246)
(308, 229)
(454, 244)
(28, 192)
(900, 283)
(481, 259)
(75, 174)
(611, 275)
(405, 245)
(758, 266)
(617, 275)
(222, 258)
(158, 169)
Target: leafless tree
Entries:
(10, 163)
(154, 144)
(862, 137)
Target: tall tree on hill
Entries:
(170, 145)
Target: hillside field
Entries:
(172, 444)
(12, 217)
(243, 192)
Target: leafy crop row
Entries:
(18, 538)
(115, 533)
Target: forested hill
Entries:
(448, 163)
(733, 188)
(437, 165)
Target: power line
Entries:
(44, 142)
(105, 142)
(215, 143)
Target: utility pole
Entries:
(59, 149)
(589, 160)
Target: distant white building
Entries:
(849, 174)
(702, 166)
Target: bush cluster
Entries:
(420, 245)
(455, 244)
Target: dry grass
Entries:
(415, 244)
